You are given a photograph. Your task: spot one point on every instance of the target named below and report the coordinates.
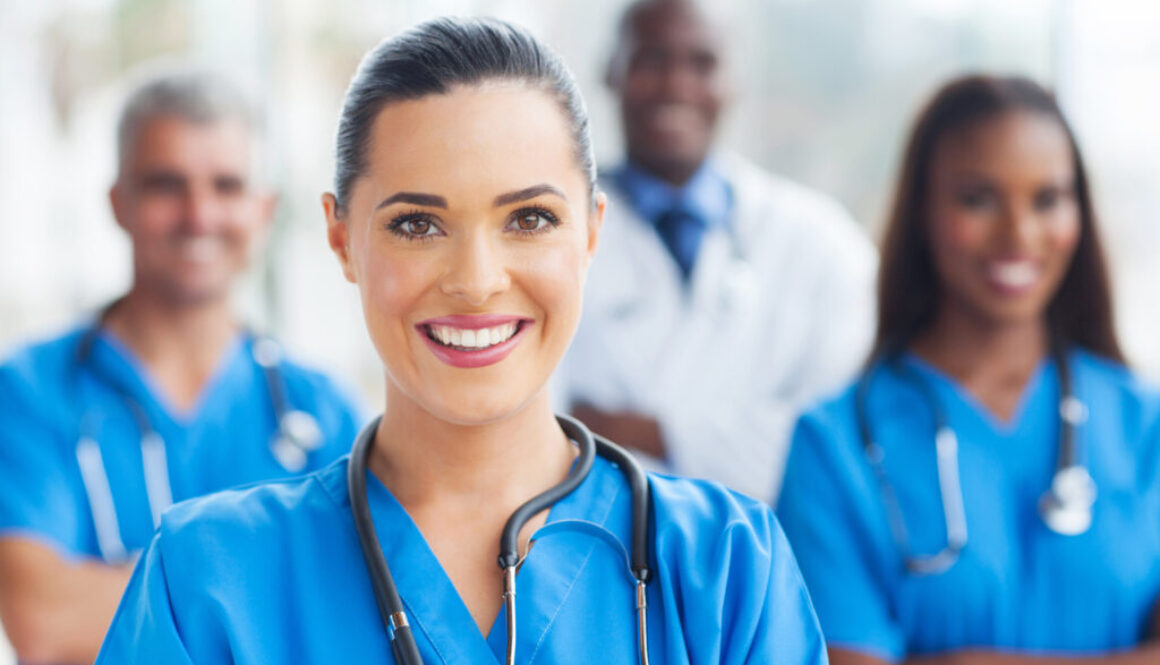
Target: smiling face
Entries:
(1004, 219)
(469, 235)
(672, 87)
(185, 198)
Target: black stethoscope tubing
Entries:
(390, 604)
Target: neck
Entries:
(424, 459)
(180, 344)
(966, 346)
(677, 175)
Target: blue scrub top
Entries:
(274, 574)
(1017, 585)
(50, 399)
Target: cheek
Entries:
(1063, 232)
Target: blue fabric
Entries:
(1017, 585)
(223, 441)
(682, 214)
(274, 574)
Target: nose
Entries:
(477, 270)
(1021, 227)
(201, 210)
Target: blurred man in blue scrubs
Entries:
(722, 298)
(162, 396)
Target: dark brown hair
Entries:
(1080, 312)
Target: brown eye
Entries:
(532, 220)
(418, 227)
(529, 221)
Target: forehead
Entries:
(1014, 142)
(480, 139)
(174, 142)
(673, 24)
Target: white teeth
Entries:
(1014, 274)
(199, 249)
(674, 116)
(480, 338)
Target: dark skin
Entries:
(1003, 226)
(668, 74)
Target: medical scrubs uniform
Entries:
(50, 400)
(1017, 585)
(274, 574)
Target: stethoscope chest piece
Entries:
(1066, 507)
(297, 436)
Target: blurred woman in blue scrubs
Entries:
(1027, 530)
(466, 213)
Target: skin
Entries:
(184, 197)
(1002, 194)
(669, 76)
(1000, 190)
(463, 448)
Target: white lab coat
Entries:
(778, 312)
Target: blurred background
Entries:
(825, 90)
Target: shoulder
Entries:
(309, 385)
(264, 512)
(35, 365)
(814, 218)
(34, 379)
(1110, 387)
(697, 521)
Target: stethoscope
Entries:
(390, 605)
(1066, 506)
(298, 434)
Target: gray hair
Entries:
(200, 97)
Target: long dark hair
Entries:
(1080, 311)
(432, 58)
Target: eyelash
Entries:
(398, 223)
(545, 214)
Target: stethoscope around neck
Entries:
(297, 435)
(390, 604)
(1065, 507)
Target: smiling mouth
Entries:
(479, 339)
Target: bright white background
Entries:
(824, 92)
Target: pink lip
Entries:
(475, 358)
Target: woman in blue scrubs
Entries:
(465, 212)
(1027, 530)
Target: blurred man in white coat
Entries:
(722, 299)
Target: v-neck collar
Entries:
(543, 583)
(123, 366)
(954, 395)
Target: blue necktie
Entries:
(681, 233)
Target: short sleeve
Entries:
(786, 630)
(830, 514)
(39, 495)
(144, 629)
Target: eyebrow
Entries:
(527, 193)
(435, 201)
(414, 198)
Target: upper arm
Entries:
(145, 624)
(829, 509)
(39, 493)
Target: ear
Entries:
(117, 202)
(595, 223)
(338, 236)
(267, 206)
